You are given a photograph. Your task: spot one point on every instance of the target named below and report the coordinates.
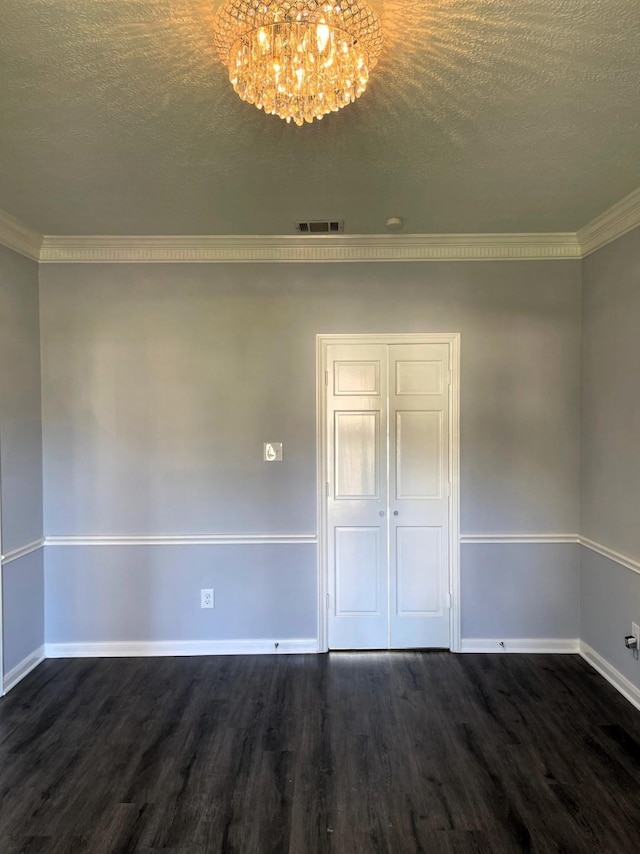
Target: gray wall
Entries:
(524, 590)
(20, 454)
(610, 398)
(611, 447)
(20, 427)
(161, 382)
(23, 612)
(153, 593)
(609, 603)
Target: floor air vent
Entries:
(320, 226)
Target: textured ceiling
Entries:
(494, 116)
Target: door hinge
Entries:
(328, 492)
(328, 601)
(326, 377)
(450, 378)
(447, 601)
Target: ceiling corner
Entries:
(611, 224)
(19, 237)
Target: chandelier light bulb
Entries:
(298, 59)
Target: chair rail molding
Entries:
(504, 539)
(16, 554)
(181, 539)
(630, 563)
(624, 560)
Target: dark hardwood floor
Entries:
(399, 752)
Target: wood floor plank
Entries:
(379, 752)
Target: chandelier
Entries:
(298, 59)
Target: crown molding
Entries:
(316, 249)
(19, 237)
(613, 223)
(345, 248)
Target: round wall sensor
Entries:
(394, 223)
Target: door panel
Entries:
(419, 501)
(357, 458)
(388, 494)
(357, 496)
(418, 454)
(415, 377)
(357, 571)
(356, 378)
(418, 577)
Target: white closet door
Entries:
(388, 495)
(357, 496)
(419, 383)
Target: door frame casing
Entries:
(322, 343)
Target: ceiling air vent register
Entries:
(320, 226)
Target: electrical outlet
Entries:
(206, 598)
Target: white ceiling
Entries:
(482, 116)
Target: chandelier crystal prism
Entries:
(298, 59)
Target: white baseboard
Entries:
(619, 682)
(142, 649)
(542, 645)
(17, 673)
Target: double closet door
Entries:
(388, 508)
